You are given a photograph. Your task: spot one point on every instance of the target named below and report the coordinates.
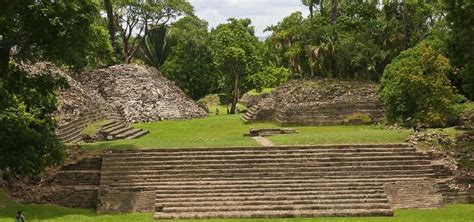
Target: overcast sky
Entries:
(262, 12)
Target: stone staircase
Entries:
(251, 114)
(118, 130)
(263, 182)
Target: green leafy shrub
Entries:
(269, 77)
(415, 89)
(27, 102)
(358, 119)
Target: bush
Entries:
(415, 89)
(358, 119)
(268, 78)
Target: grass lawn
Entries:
(34, 212)
(341, 135)
(214, 131)
(227, 130)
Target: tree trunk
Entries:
(111, 23)
(406, 34)
(333, 11)
(4, 59)
(321, 7)
(235, 98)
(311, 9)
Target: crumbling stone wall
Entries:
(319, 102)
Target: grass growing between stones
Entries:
(92, 128)
(49, 213)
(227, 130)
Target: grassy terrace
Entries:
(33, 212)
(227, 130)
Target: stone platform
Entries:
(263, 182)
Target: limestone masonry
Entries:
(296, 181)
(317, 102)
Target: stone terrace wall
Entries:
(320, 102)
(327, 114)
(75, 184)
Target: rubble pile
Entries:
(74, 100)
(306, 93)
(141, 94)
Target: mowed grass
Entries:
(341, 135)
(228, 130)
(213, 131)
(50, 213)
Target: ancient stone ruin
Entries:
(141, 94)
(317, 102)
(296, 181)
(123, 93)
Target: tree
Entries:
(269, 77)
(461, 41)
(234, 48)
(190, 63)
(415, 90)
(287, 36)
(29, 143)
(135, 20)
(156, 47)
(66, 32)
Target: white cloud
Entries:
(262, 12)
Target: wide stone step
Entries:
(276, 214)
(271, 169)
(161, 200)
(257, 188)
(367, 206)
(263, 151)
(110, 163)
(110, 123)
(265, 156)
(186, 204)
(275, 184)
(73, 139)
(108, 179)
(112, 129)
(111, 126)
(250, 194)
(119, 131)
(127, 133)
(183, 166)
(291, 180)
(216, 149)
(138, 134)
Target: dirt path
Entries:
(263, 141)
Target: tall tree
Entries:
(111, 23)
(190, 64)
(63, 31)
(334, 11)
(461, 41)
(137, 19)
(66, 32)
(234, 48)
